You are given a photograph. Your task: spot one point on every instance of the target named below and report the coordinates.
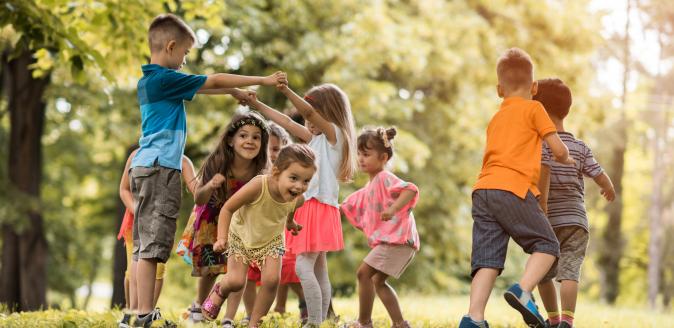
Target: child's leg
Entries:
(235, 279)
(321, 270)
(204, 285)
(548, 294)
(158, 284)
(126, 293)
(366, 292)
(480, 289)
(146, 272)
(568, 294)
(249, 295)
(297, 289)
(388, 297)
(271, 274)
(281, 298)
(537, 266)
(233, 301)
(489, 247)
(312, 290)
(133, 286)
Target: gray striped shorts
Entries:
(499, 215)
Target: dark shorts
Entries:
(572, 245)
(499, 215)
(157, 194)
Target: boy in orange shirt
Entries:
(504, 197)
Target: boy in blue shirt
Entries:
(155, 170)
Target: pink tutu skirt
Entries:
(321, 229)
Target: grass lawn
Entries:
(421, 311)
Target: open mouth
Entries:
(293, 193)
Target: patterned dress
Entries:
(196, 243)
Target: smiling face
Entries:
(293, 181)
(247, 142)
(371, 161)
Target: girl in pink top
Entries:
(383, 211)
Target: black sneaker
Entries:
(548, 325)
(125, 322)
(146, 321)
(564, 324)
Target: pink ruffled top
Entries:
(363, 209)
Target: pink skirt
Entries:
(321, 229)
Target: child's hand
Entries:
(275, 79)
(220, 245)
(243, 96)
(282, 87)
(217, 181)
(294, 227)
(609, 194)
(387, 214)
(569, 161)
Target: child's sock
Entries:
(567, 316)
(554, 318)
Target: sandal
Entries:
(209, 309)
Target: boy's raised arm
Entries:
(558, 148)
(225, 81)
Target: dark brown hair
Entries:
(515, 70)
(555, 97)
(333, 105)
(295, 153)
(167, 27)
(377, 139)
(220, 160)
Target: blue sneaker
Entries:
(467, 322)
(524, 303)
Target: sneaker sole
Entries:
(529, 318)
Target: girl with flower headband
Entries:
(329, 131)
(240, 155)
(383, 211)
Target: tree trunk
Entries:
(612, 250)
(655, 211)
(23, 279)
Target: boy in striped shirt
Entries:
(563, 199)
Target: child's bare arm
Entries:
(558, 148)
(205, 190)
(124, 186)
(188, 175)
(604, 182)
(544, 188)
(224, 80)
(291, 224)
(309, 113)
(405, 197)
(246, 195)
(281, 119)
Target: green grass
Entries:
(421, 311)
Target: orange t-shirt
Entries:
(512, 157)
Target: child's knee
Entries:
(379, 279)
(363, 273)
